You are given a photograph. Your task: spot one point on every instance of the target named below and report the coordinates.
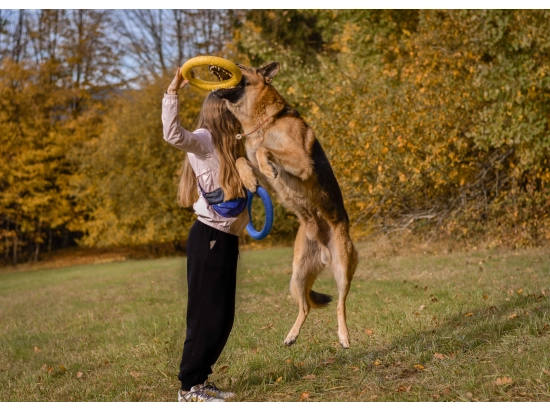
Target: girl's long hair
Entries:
(216, 118)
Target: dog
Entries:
(284, 155)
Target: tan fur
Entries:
(280, 157)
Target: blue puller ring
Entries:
(260, 191)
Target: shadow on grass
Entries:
(464, 332)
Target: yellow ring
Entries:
(211, 61)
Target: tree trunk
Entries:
(7, 251)
(37, 243)
(18, 40)
(15, 245)
(50, 239)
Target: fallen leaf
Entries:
(270, 326)
(37, 349)
(469, 394)
(419, 366)
(422, 307)
(512, 316)
(288, 361)
(519, 291)
(63, 369)
(504, 381)
(309, 377)
(373, 397)
(78, 375)
(368, 331)
(134, 374)
(485, 296)
(447, 391)
(329, 361)
(439, 356)
(467, 315)
(376, 362)
(434, 299)
(304, 396)
(402, 388)
(223, 368)
(545, 371)
(279, 379)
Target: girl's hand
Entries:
(178, 83)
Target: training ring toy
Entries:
(211, 61)
(260, 191)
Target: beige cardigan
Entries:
(205, 163)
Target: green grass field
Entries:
(469, 326)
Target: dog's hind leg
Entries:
(343, 265)
(305, 268)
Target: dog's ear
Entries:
(269, 71)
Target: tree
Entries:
(57, 69)
(128, 182)
(432, 119)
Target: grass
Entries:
(471, 326)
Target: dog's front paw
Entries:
(246, 174)
(269, 170)
(251, 183)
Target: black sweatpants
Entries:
(211, 279)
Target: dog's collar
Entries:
(240, 136)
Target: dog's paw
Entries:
(290, 341)
(269, 170)
(344, 341)
(246, 175)
(251, 184)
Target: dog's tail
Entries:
(319, 300)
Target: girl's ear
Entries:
(269, 71)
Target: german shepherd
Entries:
(284, 155)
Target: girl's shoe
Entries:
(196, 394)
(213, 390)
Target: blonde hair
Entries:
(216, 118)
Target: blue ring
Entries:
(268, 224)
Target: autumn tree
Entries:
(431, 119)
(57, 67)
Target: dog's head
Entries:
(252, 84)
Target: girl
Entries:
(210, 183)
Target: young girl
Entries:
(211, 184)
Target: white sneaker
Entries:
(197, 394)
(214, 391)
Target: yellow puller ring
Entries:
(211, 61)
